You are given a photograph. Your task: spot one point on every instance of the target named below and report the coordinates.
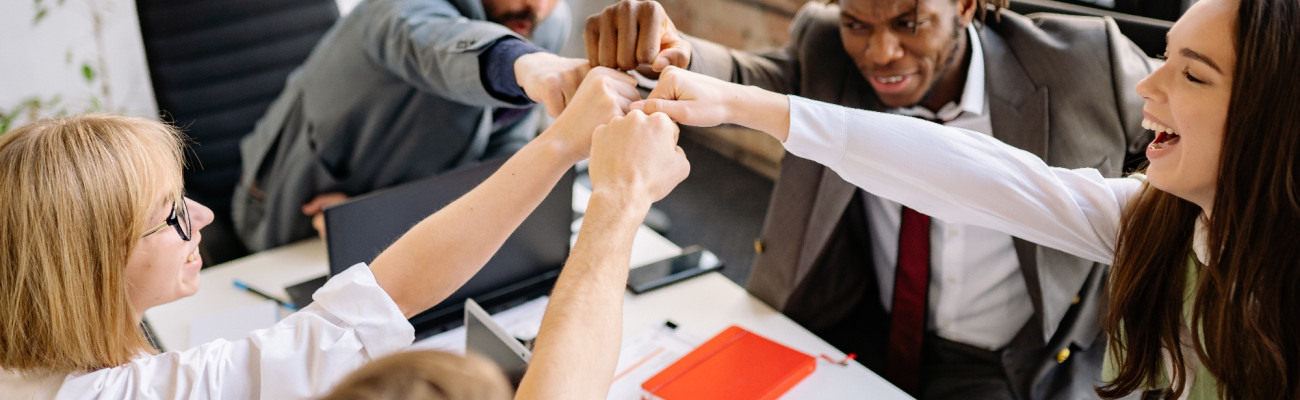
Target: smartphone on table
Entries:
(693, 261)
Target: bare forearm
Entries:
(578, 345)
(761, 110)
(444, 250)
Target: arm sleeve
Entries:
(430, 45)
(498, 72)
(964, 177)
(351, 321)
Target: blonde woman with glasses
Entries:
(94, 230)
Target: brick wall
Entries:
(741, 24)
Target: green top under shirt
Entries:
(1204, 386)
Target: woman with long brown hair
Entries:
(1205, 243)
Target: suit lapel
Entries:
(833, 192)
(1018, 111)
(833, 195)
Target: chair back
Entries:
(216, 65)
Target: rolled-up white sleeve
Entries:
(963, 177)
(351, 321)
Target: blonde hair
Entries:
(79, 191)
(425, 375)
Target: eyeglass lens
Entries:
(183, 219)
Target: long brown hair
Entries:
(78, 193)
(1243, 324)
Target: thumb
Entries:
(677, 55)
(312, 208)
(676, 110)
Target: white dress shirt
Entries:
(964, 177)
(351, 321)
(977, 293)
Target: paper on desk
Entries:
(647, 353)
(522, 321)
(233, 324)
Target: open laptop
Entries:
(524, 268)
(485, 337)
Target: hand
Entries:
(550, 79)
(637, 155)
(316, 209)
(634, 33)
(692, 99)
(604, 94)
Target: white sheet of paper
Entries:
(521, 321)
(645, 354)
(233, 324)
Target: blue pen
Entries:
(259, 293)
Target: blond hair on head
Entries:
(78, 193)
(425, 375)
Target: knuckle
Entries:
(661, 119)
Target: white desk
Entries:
(702, 306)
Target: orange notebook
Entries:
(735, 364)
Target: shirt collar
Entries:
(972, 95)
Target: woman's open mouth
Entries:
(1164, 135)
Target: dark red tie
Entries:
(911, 287)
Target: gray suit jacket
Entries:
(1059, 87)
(392, 93)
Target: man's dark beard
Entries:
(947, 61)
(526, 15)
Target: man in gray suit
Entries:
(985, 315)
(395, 91)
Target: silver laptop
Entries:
(485, 337)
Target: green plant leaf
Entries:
(40, 14)
(88, 72)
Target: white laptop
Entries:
(487, 338)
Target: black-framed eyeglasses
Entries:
(179, 218)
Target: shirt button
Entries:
(1063, 355)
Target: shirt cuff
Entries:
(498, 69)
(355, 298)
(817, 131)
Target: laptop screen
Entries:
(484, 336)
(525, 267)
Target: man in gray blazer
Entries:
(1002, 318)
(399, 90)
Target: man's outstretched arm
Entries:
(635, 161)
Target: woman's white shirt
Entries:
(967, 177)
(963, 177)
(351, 321)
